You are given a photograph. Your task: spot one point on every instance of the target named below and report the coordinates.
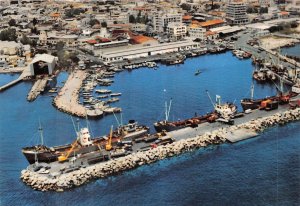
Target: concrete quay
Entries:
(59, 182)
(37, 88)
(67, 99)
(24, 75)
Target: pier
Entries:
(24, 74)
(187, 139)
(67, 99)
(37, 88)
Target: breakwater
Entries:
(67, 99)
(61, 182)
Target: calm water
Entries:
(293, 51)
(259, 171)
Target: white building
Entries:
(138, 51)
(161, 20)
(42, 64)
(196, 32)
(236, 13)
(176, 30)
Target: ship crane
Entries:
(108, 145)
(63, 158)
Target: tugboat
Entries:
(130, 131)
(225, 111)
(82, 145)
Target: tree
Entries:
(8, 35)
(132, 19)
(185, 6)
(34, 21)
(12, 22)
(25, 40)
(93, 22)
(115, 22)
(103, 24)
(59, 46)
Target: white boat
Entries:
(115, 94)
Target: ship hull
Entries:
(40, 156)
(167, 127)
(52, 156)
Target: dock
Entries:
(23, 75)
(37, 89)
(240, 134)
(67, 99)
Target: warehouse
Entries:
(138, 51)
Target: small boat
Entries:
(102, 96)
(197, 72)
(113, 100)
(115, 94)
(54, 90)
(103, 91)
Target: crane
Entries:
(108, 145)
(63, 157)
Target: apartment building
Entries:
(236, 13)
(161, 20)
(176, 30)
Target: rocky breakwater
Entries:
(83, 175)
(67, 99)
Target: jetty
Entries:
(37, 88)
(63, 176)
(23, 75)
(67, 99)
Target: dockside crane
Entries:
(64, 157)
(108, 145)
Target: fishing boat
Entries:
(114, 99)
(82, 145)
(103, 91)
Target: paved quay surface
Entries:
(37, 88)
(67, 99)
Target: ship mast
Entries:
(168, 109)
(210, 99)
(252, 91)
(41, 132)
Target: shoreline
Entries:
(112, 167)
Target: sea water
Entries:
(259, 171)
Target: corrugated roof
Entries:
(43, 57)
(140, 39)
(187, 17)
(211, 22)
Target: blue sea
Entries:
(259, 171)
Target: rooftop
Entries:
(211, 22)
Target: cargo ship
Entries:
(82, 145)
(225, 111)
(281, 98)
